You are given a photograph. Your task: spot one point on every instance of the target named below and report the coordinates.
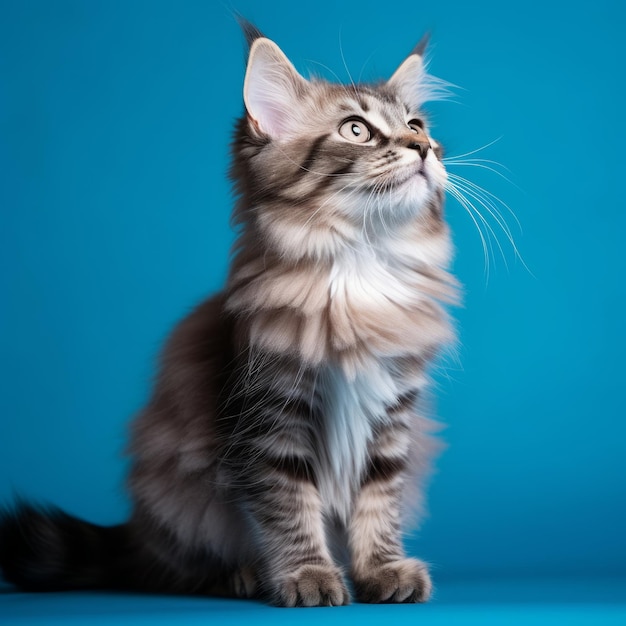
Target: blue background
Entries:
(115, 120)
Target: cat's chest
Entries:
(352, 410)
(368, 301)
(379, 306)
(364, 281)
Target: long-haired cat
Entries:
(285, 416)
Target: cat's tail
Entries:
(44, 549)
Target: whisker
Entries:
(326, 68)
(458, 196)
(482, 166)
(500, 224)
(365, 64)
(381, 216)
(481, 195)
(461, 192)
(487, 145)
(343, 60)
(459, 160)
(490, 199)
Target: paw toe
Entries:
(400, 581)
(313, 585)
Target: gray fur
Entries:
(287, 406)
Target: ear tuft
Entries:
(421, 46)
(250, 31)
(272, 88)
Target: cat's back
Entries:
(177, 477)
(176, 433)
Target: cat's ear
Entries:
(272, 88)
(411, 81)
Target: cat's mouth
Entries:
(409, 174)
(400, 179)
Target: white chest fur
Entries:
(380, 289)
(353, 408)
(386, 302)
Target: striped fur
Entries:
(289, 403)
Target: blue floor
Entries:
(502, 602)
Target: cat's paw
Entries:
(406, 580)
(312, 585)
(243, 583)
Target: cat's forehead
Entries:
(377, 104)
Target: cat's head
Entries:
(318, 163)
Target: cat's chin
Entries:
(391, 208)
(414, 188)
(407, 200)
(416, 174)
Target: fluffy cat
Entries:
(284, 420)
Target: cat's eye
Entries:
(417, 125)
(355, 130)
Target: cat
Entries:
(285, 419)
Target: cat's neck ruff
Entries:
(369, 300)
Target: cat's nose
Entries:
(420, 144)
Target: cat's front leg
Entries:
(380, 569)
(272, 453)
(298, 568)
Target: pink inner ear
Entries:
(270, 89)
(272, 116)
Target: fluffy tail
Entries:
(48, 550)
